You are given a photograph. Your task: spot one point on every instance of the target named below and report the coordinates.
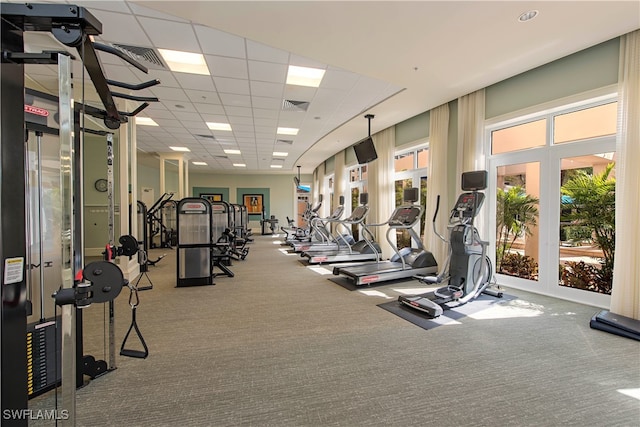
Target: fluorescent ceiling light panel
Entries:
(276, 166)
(179, 148)
(304, 76)
(287, 131)
(199, 163)
(280, 154)
(219, 126)
(145, 121)
(229, 151)
(185, 62)
(239, 165)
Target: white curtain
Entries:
(340, 181)
(437, 182)
(318, 187)
(625, 295)
(471, 153)
(381, 189)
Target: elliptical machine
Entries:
(467, 270)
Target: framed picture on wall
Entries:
(212, 197)
(254, 203)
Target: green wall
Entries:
(588, 69)
(413, 129)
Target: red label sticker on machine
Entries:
(36, 110)
(369, 279)
(194, 207)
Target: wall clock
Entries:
(101, 185)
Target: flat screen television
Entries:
(365, 151)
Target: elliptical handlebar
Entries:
(433, 222)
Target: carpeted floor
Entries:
(281, 345)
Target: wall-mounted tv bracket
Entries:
(73, 26)
(369, 117)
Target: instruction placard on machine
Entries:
(13, 270)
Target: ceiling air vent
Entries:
(220, 157)
(204, 136)
(290, 105)
(139, 52)
(284, 141)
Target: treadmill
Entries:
(407, 262)
(365, 249)
(324, 239)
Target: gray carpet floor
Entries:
(281, 345)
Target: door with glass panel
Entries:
(555, 189)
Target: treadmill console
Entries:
(404, 216)
(465, 204)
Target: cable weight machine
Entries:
(72, 26)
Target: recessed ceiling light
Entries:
(276, 166)
(304, 76)
(280, 154)
(287, 131)
(239, 165)
(199, 163)
(528, 16)
(219, 126)
(179, 148)
(185, 62)
(145, 121)
(230, 151)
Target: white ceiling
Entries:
(393, 59)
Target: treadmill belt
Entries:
(451, 314)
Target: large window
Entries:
(357, 186)
(554, 175)
(411, 171)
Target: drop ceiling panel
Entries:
(195, 82)
(221, 66)
(227, 85)
(170, 35)
(239, 111)
(113, 25)
(270, 90)
(215, 42)
(211, 112)
(200, 97)
(260, 52)
(169, 94)
(144, 11)
(235, 100)
(268, 72)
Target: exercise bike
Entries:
(467, 269)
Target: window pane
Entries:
(355, 201)
(527, 135)
(354, 175)
(363, 172)
(423, 158)
(423, 203)
(587, 222)
(517, 236)
(403, 239)
(583, 124)
(404, 162)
